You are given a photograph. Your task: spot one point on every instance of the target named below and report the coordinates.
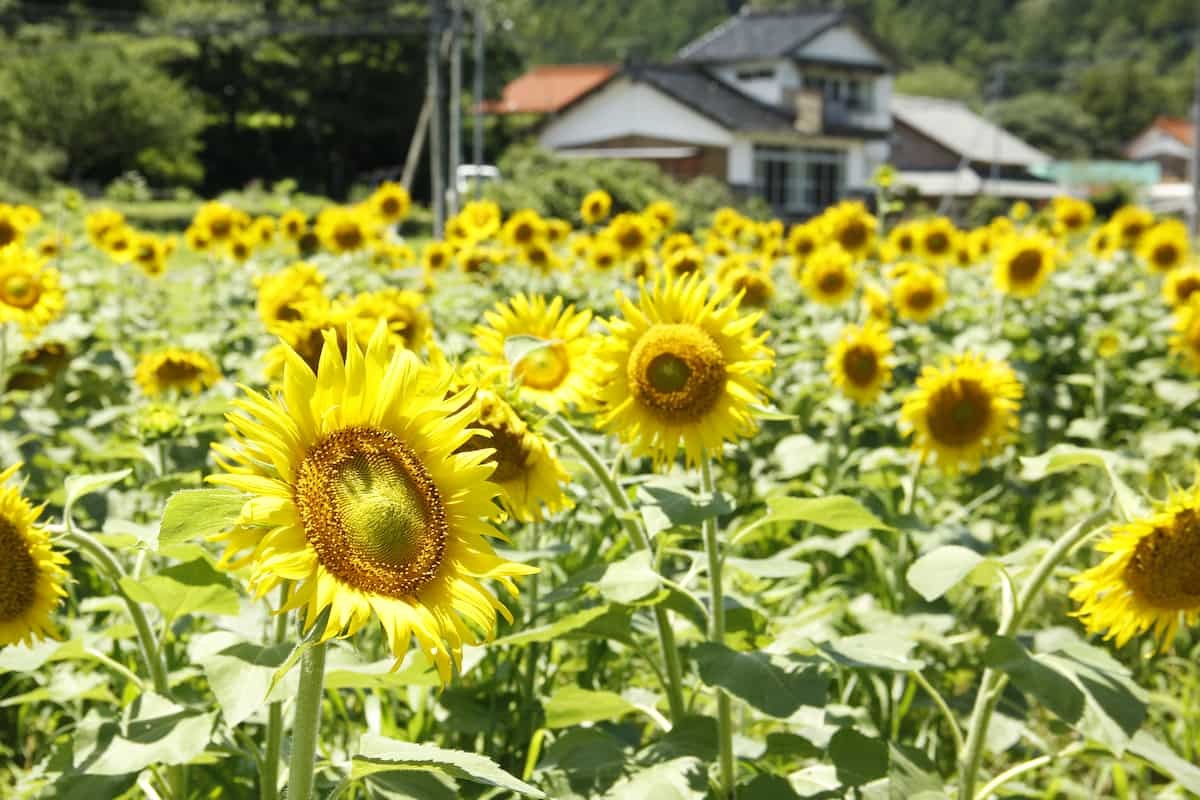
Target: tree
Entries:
(1049, 122)
(939, 80)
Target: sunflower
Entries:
(1151, 577)
(118, 244)
(32, 572)
(390, 203)
(528, 473)
(753, 285)
(342, 229)
(1165, 246)
(402, 310)
(150, 254)
(860, 362)
(478, 259)
(555, 375)
(482, 218)
(664, 212)
(904, 237)
(1020, 211)
(682, 369)
(53, 245)
(685, 261)
(437, 256)
(981, 241)
(1023, 264)
(963, 411)
(1180, 285)
(393, 255)
(937, 239)
(458, 234)
(1185, 342)
(523, 227)
(293, 224)
(1129, 223)
(803, 240)
(630, 232)
(674, 243)
(196, 238)
(1103, 242)
(851, 226)
(363, 499)
(828, 276)
(219, 221)
(557, 230)
(728, 222)
(177, 370)
(99, 222)
(1072, 213)
(541, 256)
(30, 294)
(603, 254)
(39, 366)
(876, 304)
(596, 206)
(241, 246)
(12, 231)
(286, 299)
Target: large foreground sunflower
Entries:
(860, 362)
(682, 369)
(556, 375)
(963, 411)
(365, 500)
(1151, 578)
(31, 571)
(175, 369)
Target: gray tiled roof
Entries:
(758, 35)
(709, 96)
(964, 132)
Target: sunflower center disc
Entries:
(19, 290)
(920, 299)
(347, 235)
(959, 413)
(854, 235)
(1025, 266)
(544, 367)
(937, 243)
(1165, 255)
(8, 232)
(861, 365)
(372, 512)
(832, 282)
(390, 206)
(677, 371)
(1164, 570)
(175, 371)
(18, 573)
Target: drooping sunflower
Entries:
(30, 294)
(1165, 246)
(860, 362)
(962, 411)
(365, 501)
(31, 573)
(596, 206)
(175, 369)
(682, 369)
(937, 240)
(851, 226)
(1023, 264)
(1151, 577)
(390, 203)
(919, 292)
(1180, 285)
(528, 473)
(828, 276)
(559, 373)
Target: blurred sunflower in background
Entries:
(1023, 264)
(390, 203)
(828, 276)
(1073, 214)
(32, 574)
(558, 372)
(1185, 341)
(860, 362)
(962, 411)
(293, 224)
(596, 206)
(341, 229)
(1165, 246)
(366, 502)
(682, 369)
(523, 228)
(30, 294)
(1180, 284)
(630, 232)
(1150, 580)
(175, 370)
(1129, 223)
(919, 292)
(753, 285)
(851, 226)
(937, 240)
(436, 256)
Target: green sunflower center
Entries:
(959, 413)
(372, 512)
(677, 371)
(544, 368)
(19, 289)
(18, 573)
(1164, 570)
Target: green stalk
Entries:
(636, 534)
(991, 685)
(269, 779)
(716, 632)
(306, 725)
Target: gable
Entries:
(606, 114)
(842, 44)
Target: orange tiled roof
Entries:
(1176, 128)
(549, 88)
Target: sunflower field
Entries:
(870, 506)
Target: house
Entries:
(548, 88)
(789, 106)
(942, 149)
(1168, 142)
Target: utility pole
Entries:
(456, 30)
(477, 131)
(434, 96)
(1195, 171)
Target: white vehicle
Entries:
(468, 174)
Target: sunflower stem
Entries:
(269, 779)
(306, 725)
(636, 534)
(717, 635)
(992, 683)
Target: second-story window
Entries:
(756, 74)
(854, 93)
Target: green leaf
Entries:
(382, 754)
(161, 733)
(756, 679)
(874, 651)
(858, 759)
(630, 579)
(1166, 761)
(1055, 691)
(194, 514)
(191, 588)
(77, 486)
(572, 705)
(554, 630)
(239, 672)
(938, 571)
(518, 347)
(588, 756)
(1178, 394)
(836, 512)
(773, 567)
(679, 779)
(665, 504)
(1065, 458)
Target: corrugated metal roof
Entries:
(758, 35)
(959, 129)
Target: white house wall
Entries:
(841, 44)
(766, 90)
(740, 162)
(626, 108)
(1154, 143)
